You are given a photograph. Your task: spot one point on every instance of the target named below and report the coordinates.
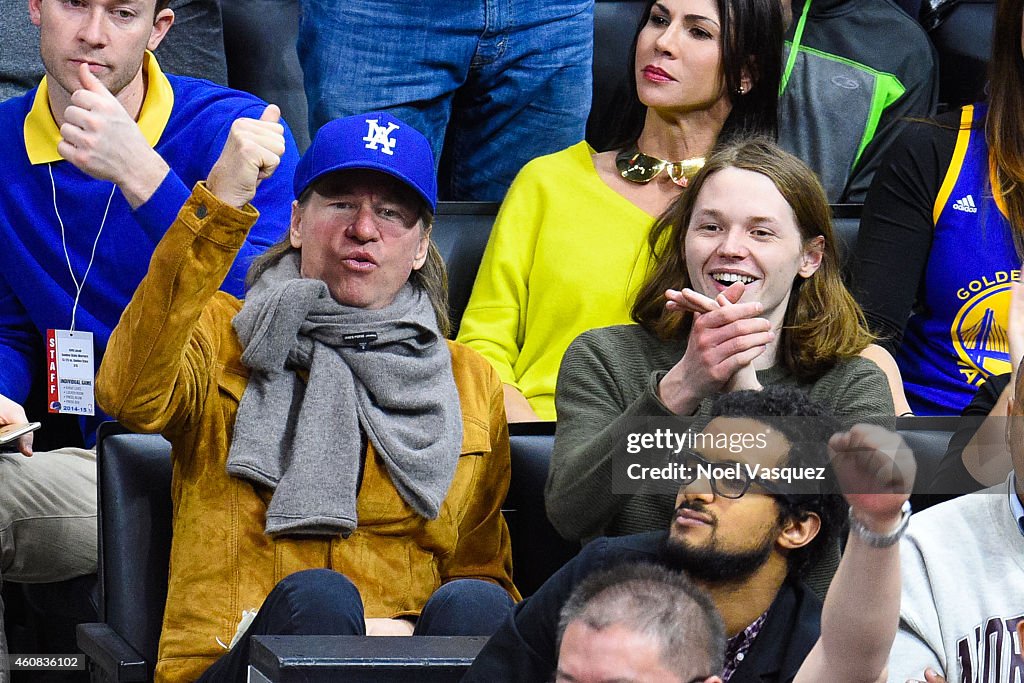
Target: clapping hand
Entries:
(725, 338)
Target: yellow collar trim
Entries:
(42, 134)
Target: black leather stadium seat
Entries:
(134, 478)
(134, 472)
(537, 549)
(845, 227)
(461, 230)
(928, 438)
(963, 42)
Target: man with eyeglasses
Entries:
(747, 542)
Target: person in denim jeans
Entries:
(494, 83)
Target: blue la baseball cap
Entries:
(376, 141)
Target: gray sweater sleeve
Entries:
(603, 384)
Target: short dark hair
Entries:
(776, 406)
(161, 5)
(752, 38)
(656, 602)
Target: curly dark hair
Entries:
(776, 406)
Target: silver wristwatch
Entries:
(877, 540)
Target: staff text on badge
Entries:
(70, 372)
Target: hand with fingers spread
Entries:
(251, 154)
(13, 413)
(876, 470)
(101, 139)
(725, 337)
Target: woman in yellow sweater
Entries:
(569, 247)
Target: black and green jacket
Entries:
(862, 67)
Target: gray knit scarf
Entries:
(388, 371)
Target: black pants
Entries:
(324, 602)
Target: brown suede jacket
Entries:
(173, 366)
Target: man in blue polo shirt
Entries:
(98, 161)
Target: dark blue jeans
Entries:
(494, 82)
(324, 602)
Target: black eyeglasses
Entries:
(728, 479)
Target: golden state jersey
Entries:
(957, 336)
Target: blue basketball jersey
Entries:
(957, 337)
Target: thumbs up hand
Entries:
(251, 154)
(101, 139)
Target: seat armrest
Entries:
(109, 652)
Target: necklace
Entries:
(637, 167)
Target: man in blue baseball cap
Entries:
(339, 466)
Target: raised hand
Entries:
(876, 470)
(725, 338)
(101, 139)
(251, 154)
(745, 377)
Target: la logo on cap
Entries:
(378, 135)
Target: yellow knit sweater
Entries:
(567, 254)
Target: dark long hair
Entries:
(1004, 128)
(752, 37)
